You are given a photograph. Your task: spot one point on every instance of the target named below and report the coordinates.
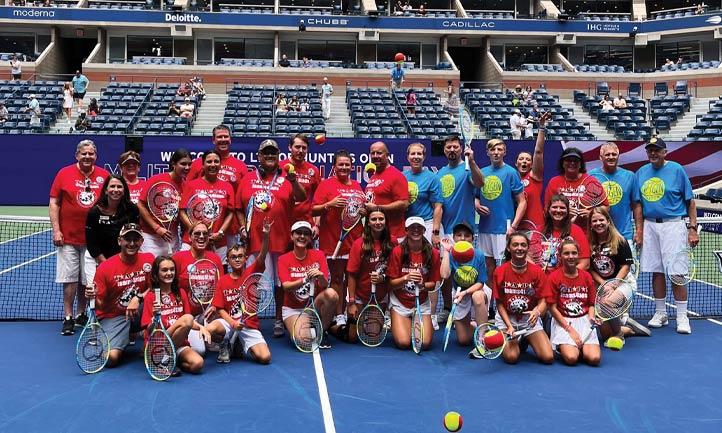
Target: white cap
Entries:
(415, 220)
(300, 225)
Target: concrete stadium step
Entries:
(339, 124)
(210, 114)
(596, 128)
(684, 124)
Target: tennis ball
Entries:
(400, 57)
(290, 168)
(462, 252)
(264, 206)
(615, 343)
(370, 168)
(453, 421)
(493, 339)
(320, 139)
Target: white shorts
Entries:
(661, 241)
(271, 266)
(465, 306)
(404, 311)
(156, 245)
(247, 337)
(580, 324)
(287, 312)
(196, 341)
(70, 264)
(492, 244)
(519, 322)
(89, 268)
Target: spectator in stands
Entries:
(284, 62)
(518, 124)
(304, 107)
(47, 4)
(82, 123)
(173, 110)
(33, 108)
(3, 113)
(422, 11)
(449, 89)
(93, 107)
(679, 61)
(16, 68)
(518, 93)
(397, 75)
(294, 105)
(620, 102)
(606, 104)
(668, 62)
(533, 115)
(399, 8)
(198, 90)
(185, 89)
(407, 6)
(80, 85)
(305, 63)
(528, 94)
(699, 10)
(452, 104)
(187, 109)
(281, 104)
(68, 100)
(326, 92)
(411, 101)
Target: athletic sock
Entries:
(681, 308)
(660, 305)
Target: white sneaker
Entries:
(683, 325)
(224, 356)
(340, 320)
(434, 322)
(658, 320)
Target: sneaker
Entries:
(224, 355)
(638, 328)
(340, 320)
(683, 325)
(658, 320)
(325, 342)
(278, 329)
(443, 316)
(133, 336)
(81, 319)
(434, 322)
(68, 326)
(475, 354)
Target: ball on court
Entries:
(453, 421)
(370, 168)
(615, 343)
(320, 139)
(462, 252)
(493, 339)
(290, 168)
(399, 57)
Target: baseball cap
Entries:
(656, 142)
(465, 225)
(130, 227)
(300, 225)
(128, 158)
(32, 96)
(414, 220)
(572, 152)
(268, 143)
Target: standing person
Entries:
(499, 202)
(80, 85)
(458, 187)
(572, 294)
(33, 108)
(307, 175)
(16, 68)
(387, 189)
(68, 100)
(449, 90)
(397, 76)
(557, 227)
(664, 199)
(155, 234)
(519, 124)
(296, 269)
(531, 170)
(326, 92)
(331, 198)
(272, 196)
(120, 284)
(74, 191)
(411, 101)
(129, 163)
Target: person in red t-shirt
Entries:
(329, 202)
(308, 176)
(531, 171)
(216, 209)
(519, 290)
(388, 189)
(557, 227)
(297, 269)
(175, 313)
(120, 284)
(413, 262)
(129, 163)
(571, 294)
(232, 324)
(74, 191)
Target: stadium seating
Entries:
(155, 119)
(709, 125)
(690, 66)
(375, 112)
(629, 123)
(430, 120)
(541, 68)
(599, 68)
(120, 104)
(15, 94)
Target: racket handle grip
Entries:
(170, 247)
(335, 252)
(466, 162)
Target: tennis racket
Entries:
(203, 208)
(490, 341)
(256, 295)
(634, 269)
(682, 267)
(163, 204)
(614, 298)
(590, 193)
(93, 347)
(350, 216)
(417, 325)
(526, 226)
(370, 324)
(249, 217)
(203, 276)
(450, 320)
(466, 127)
(160, 356)
(541, 251)
(307, 328)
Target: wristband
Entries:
(436, 232)
(568, 325)
(156, 228)
(220, 232)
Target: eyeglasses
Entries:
(236, 258)
(197, 235)
(269, 151)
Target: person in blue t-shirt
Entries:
(80, 85)
(665, 198)
(397, 75)
(501, 205)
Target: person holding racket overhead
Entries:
(129, 164)
(232, 321)
(413, 264)
(210, 200)
(74, 191)
(339, 204)
(557, 227)
(159, 204)
(175, 314)
(120, 284)
(664, 199)
(571, 294)
(530, 167)
(519, 290)
(387, 189)
(296, 269)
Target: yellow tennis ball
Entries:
(290, 168)
(615, 343)
(453, 421)
(370, 168)
(264, 206)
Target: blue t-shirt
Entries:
(424, 191)
(80, 83)
(397, 74)
(501, 185)
(621, 187)
(457, 193)
(468, 274)
(664, 192)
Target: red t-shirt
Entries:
(573, 296)
(117, 282)
(183, 259)
(396, 269)
(519, 292)
(227, 294)
(292, 269)
(222, 194)
(560, 185)
(534, 209)
(69, 187)
(387, 187)
(578, 235)
(309, 177)
(276, 193)
(171, 308)
(162, 177)
(232, 170)
(362, 269)
(136, 189)
(330, 220)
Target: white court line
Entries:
(23, 237)
(4, 271)
(323, 394)
(717, 322)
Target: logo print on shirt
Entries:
(653, 189)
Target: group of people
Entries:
(284, 105)
(192, 88)
(186, 109)
(286, 223)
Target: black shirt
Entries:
(101, 230)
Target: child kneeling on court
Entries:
(234, 327)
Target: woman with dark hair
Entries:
(558, 227)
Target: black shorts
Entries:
(18, 76)
(79, 95)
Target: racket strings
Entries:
(164, 204)
(256, 295)
(592, 194)
(417, 331)
(308, 332)
(204, 208)
(371, 325)
(160, 355)
(681, 268)
(94, 351)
